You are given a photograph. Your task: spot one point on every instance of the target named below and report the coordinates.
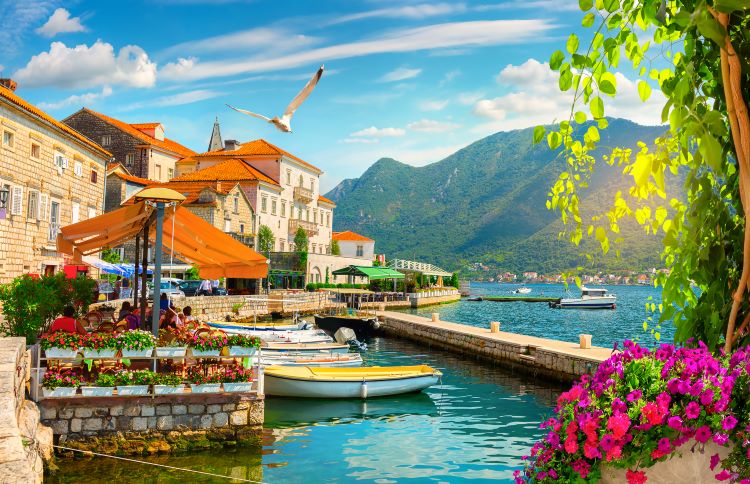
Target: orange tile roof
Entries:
(350, 236)
(30, 108)
(131, 129)
(323, 199)
(132, 178)
(258, 147)
(232, 169)
(192, 190)
(145, 125)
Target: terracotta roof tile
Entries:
(30, 108)
(323, 199)
(133, 179)
(257, 147)
(350, 236)
(131, 129)
(144, 125)
(232, 169)
(192, 190)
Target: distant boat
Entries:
(591, 298)
(522, 290)
(303, 348)
(475, 299)
(363, 327)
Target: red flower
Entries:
(636, 477)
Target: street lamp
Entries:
(4, 192)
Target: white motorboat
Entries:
(333, 360)
(365, 382)
(276, 336)
(522, 290)
(303, 348)
(591, 298)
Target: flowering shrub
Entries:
(100, 341)
(640, 407)
(53, 379)
(167, 379)
(105, 380)
(235, 374)
(135, 340)
(61, 339)
(199, 375)
(135, 377)
(207, 342)
(243, 340)
(174, 337)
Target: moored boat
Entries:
(522, 290)
(591, 298)
(303, 348)
(321, 359)
(363, 327)
(285, 336)
(365, 382)
(254, 326)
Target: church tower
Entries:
(215, 142)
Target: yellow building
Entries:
(50, 176)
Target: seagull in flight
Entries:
(283, 122)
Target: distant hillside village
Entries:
(481, 272)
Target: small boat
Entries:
(303, 348)
(285, 336)
(363, 327)
(365, 382)
(591, 298)
(522, 290)
(336, 360)
(475, 299)
(254, 326)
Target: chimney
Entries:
(8, 84)
(231, 145)
(218, 185)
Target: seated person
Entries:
(168, 320)
(67, 322)
(187, 315)
(164, 302)
(125, 310)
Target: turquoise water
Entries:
(538, 319)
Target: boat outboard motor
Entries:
(303, 325)
(343, 335)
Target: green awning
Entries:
(371, 273)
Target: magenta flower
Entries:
(714, 461)
(693, 410)
(729, 422)
(703, 434)
(723, 476)
(675, 422)
(707, 397)
(664, 445)
(634, 395)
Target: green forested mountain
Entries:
(486, 203)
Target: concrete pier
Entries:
(557, 360)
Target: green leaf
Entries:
(554, 139)
(601, 234)
(711, 29)
(556, 60)
(597, 107)
(608, 84)
(725, 6)
(566, 79)
(711, 151)
(572, 44)
(585, 5)
(538, 134)
(644, 90)
(588, 20)
(611, 5)
(580, 117)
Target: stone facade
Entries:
(54, 177)
(151, 425)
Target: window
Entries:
(43, 202)
(264, 204)
(170, 173)
(289, 177)
(61, 161)
(307, 214)
(78, 168)
(36, 151)
(157, 171)
(360, 251)
(315, 216)
(273, 206)
(301, 181)
(8, 139)
(236, 204)
(328, 220)
(32, 211)
(94, 176)
(242, 228)
(313, 248)
(75, 212)
(312, 184)
(16, 201)
(129, 159)
(281, 245)
(54, 219)
(106, 140)
(283, 208)
(227, 225)
(92, 212)
(299, 214)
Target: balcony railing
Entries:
(304, 195)
(247, 239)
(309, 227)
(285, 261)
(54, 229)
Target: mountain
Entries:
(487, 203)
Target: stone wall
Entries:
(217, 307)
(24, 442)
(150, 425)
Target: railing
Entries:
(302, 194)
(285, 261)
(54, 229)
(308, 227)
(247, 239)
(414, 266)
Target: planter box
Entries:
(171, 351)
(104, 353)
(243, 386)
(242, 350)
(62, 353)
(205, 354)
(130, 390)
(59, 392)
(206, 388)
(137, 353)
(169, 389)
(97, 391)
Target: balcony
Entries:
(308, 227)
(304, 195)
(285, 261)
(247, 239)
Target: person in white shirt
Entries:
(205, 288)
(215, 285)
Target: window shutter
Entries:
(78, 169)
(76, 208)
(43, 202)
(16, 206)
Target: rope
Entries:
(158, 465)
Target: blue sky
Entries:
(414, 81)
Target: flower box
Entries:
(205, 353)
(59, 392)
(242, 350)
(102, 353)
(169, 389)
(132, 390)
(138, 353)
(61, 353)
(171, 351)
(243, 386)
(97, 391)
(206, 388)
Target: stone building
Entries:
(121, 185)
(142, 148)
(50, 176)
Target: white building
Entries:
(352, 244)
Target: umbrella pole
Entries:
(144, 275)
(135, 272)
(157, 267)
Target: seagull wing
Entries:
(244, 111)
(303, 93)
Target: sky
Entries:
(410, 80)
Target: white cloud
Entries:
(409, 11)
(470, 97)
(432, 126)
(433, 105)
(187, 97)
(84, 67)
(61, 23)
(544, 5)
(360, 140)
(374, 132)
(262, 39)
(78, 99)
(181, 67)
(447, 35)
(17, 19)
(449, 76)
(533, 98)
(400, 74)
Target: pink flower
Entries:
(693, 410)
(714, 461)
(591, 450)
(571, 444)
(636, 477)
(729, 422)
(707, 397)
(664, 445)
(581, 467)
(675, 422)
(703, 434)
(723, 476)
(619, 424)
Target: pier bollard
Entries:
(381, 307)
(435, 317)
(495, 327)
(585, 341)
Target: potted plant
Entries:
(207, 345)
(56, 384)
(172, 343)
(242, 345)
(134, 382)
(168, 384)
(203, 381)
(103, 386)
(236, 379)
(99, 345)
(136, 343)
(61, 344)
